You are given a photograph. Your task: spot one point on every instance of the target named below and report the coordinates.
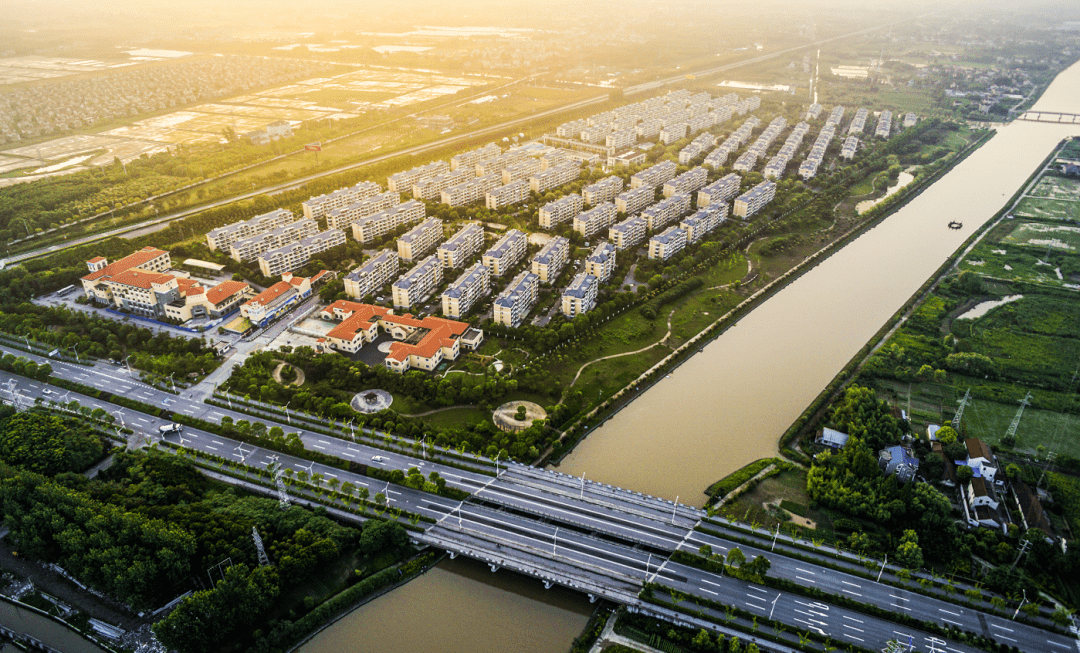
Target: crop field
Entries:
(1038, 234)
(1039, 207)
(1057, 188)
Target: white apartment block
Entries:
(375, 273)
(343, 217)
(621, 139)
(222, 237)
(721, 115)
(563, 173)
(418, 283)
(550, 260)
(835, 116)
(402, 182)
(580, 296)
(462, 246)
(564, 209)
(601, 262)
(654, 176)
(249, 249)
(774, 168)
(814, 111)
(415, 243)
(604, 190)
(703, 221)
(909, 120)
(884, 124)
(520, 170)
(496, 165)
(596, 219)
(470, 191)
(746, 161)
(858, 122)
(473, 285)
(634, 200)
(513, 304)
(432, 187)
(667, 211)
(667, 244)
(688, 182)
(719, 156)
(595, 133)
(571, 129)
(700, 122)
(628, 233)
(553, 158)
(674, 133)
(515, 192)
(317, 207)
(377, 225)
(468, 160)
(720, 191)
(295, 256)
(754, 200)
(649, 128)
(507, 252)
(851, 143)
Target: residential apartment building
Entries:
(295, 256)
(507, 252)
(746, 161)
(674, 132)
(222, 237)
(621, 139)
(571, 129)
(663, 213)
(375, 273)
(431, 188)
(462, 246)
(720, 191)
(851, 144)
(634, 200)
(374, 226)
(421, 239)
(249, 249)
(545, 180)
(498, 164)
(564, 209)
(402, 182)
(604, 190)
(468, 160)
(580, 296)
(317, 207)
(688, 182)
(814, 111)
(595, 220)
(550, 260)
(601, 261)
(513, 304)
(754, 200)
(473, 285)
(649, 128)
(628, 233)
(470, 191)
(514, 192)
(627, 158)
(884, 124)
(520, 170)
(835, 116)
(703, 221)
(418, 283)
(858, 122)
(653, 176)
(910, 119)
(343, 217)
(667, 244)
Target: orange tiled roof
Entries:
(96, 259)
(271, 293)
(140, 279)
(224, 290)
(359, 318)
(123, 265)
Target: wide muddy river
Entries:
(724, 408)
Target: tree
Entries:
(735, 557)
(946, 435)
(964, 474)
(908, 552)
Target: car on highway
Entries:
(166, 429)
(46, 391)
(376, 459)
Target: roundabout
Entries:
(371, 401)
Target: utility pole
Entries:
(960, 411)
(775, 535)
(263, 560)
(1019, 413)
(1023, 549)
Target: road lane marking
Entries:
(709, 591)
(805, 571)
(805, 580)
(211, 447)
(754, 589)
(317, 446)
(899, 598)
(1050, 641)
(851, 584)
(858, 639)
(710, 582)
(1004, 637)
(853, 628)
(955, 614)
(950, 621)
(346, 453)
(1001, 627)
(851, 593)
(850, 618)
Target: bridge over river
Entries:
(1050, 116)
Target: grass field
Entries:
(1004, 261)
(1038, 207)
(1057, 188)
(1037, 234)
(788, 487)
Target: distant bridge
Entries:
(1051, 116)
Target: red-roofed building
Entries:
(276, 300)
(198, 301)
(136, 283)
(422, 343)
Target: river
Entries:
(725, 407)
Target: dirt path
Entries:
(749, 268)
(277, 374)
(629, 353)
(437, 410)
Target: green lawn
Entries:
(1038, 234)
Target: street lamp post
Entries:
(171, 383)
(674, 506)
(1020, 606)
(128, 364)
(75, 348)
(287, 412)
(775, 535)
(423, 443)
(883, 563)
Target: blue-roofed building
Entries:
(896, 460)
